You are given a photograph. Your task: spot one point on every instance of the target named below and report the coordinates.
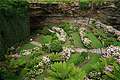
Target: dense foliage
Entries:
(76, 49)
(64, 71)
(13, 21)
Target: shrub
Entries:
(55, 57)
(47, 39)
(14, 21)
(27, 57)
(68, 27)
(51, 44)
(55, 46)
(78, 58)
(107, 41)
(85, 4)
(64, 71)
(116, 43)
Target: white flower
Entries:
(45, 59)
(118, 60)
(40, 71)
(118, 38)
(67, 52)
(60, 33)
(40, 64)
(31, 39)
(12, 48)
(113, 51)
(84, 38)
(106, 55)
(87, 41)
(108, 68)
(38, 34)
(36, 48)
(25, 52)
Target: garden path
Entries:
(98, 50)
(36, 43)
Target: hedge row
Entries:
(14, 23)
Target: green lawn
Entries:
(76, 40)
(95, 42)
(92, 63)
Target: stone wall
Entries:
(112, 14)
(54, 9)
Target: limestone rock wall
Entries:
(112, 14)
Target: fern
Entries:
(64, 71)
(55, 57)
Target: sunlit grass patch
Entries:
(95, 42)
(76, 40)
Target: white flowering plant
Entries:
(86, 41)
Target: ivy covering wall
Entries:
(14, 22)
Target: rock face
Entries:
(54, 9)
(112, 14)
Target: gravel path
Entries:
(98, 51)
(36, 43)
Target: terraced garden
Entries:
(60, 48)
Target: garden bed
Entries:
(65, 48)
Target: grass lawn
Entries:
(92, 63)
(95, 42)
(76, 40)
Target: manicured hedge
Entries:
(14, 25)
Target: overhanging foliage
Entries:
(14, 25)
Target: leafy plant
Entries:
(54, 57)
(117, 71)
(64, 71)
(55, 46)
(68, 27)
(78, 58)
(116, 43)
(47, 39)
(14, 22)
(86, 4)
